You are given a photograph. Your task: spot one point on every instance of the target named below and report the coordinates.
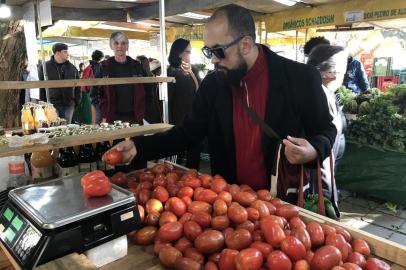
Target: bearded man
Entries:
(286, 95)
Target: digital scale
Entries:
(46, 221)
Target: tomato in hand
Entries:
(113, 157)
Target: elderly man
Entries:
(285, 94)
(124, 102)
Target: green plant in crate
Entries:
(398, 93)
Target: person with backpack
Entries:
(91, 113)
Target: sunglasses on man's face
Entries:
(219, 51)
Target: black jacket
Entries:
(296, 106)
(62, 96)
(180, 94)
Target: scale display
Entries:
(18, 234)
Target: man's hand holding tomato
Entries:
(122, 153)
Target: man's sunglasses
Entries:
(219, 51)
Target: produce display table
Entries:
(373, 172)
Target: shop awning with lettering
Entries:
(343, 13)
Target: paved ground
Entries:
(373, 216)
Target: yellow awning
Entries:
(335, 14)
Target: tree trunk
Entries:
(12, 56)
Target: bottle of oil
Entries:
(27, 121)
(87, 158)
(67, 162)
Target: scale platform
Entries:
(46, 221)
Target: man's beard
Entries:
(232, 77)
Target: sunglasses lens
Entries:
(219, 53)
(207, 52)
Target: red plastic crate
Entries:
(384, 82)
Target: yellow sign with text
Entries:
(351, 11)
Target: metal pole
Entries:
(163, 87)
(306, 33)
(42, 47)
(296, 45)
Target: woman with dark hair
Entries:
(181, 94)
(331, 61)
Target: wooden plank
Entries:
(72, 261)
(7, 261)
(74, 140)
(7, 85)
(380, 247)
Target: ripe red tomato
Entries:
(344, 233)
(172, 177)
(146, 177)
(376, 264)
(210, 266)
(237, 214)
(209, 241)
(141, 211)
(327, 229)
(219, 184)
(145, 236)
(351, 266)
(193, 182)
(191, 230)
(97, 186)
(170, 232)
(187, 264)
(287, 211)
(160, 180)
(261, 207)
(238, 239)
(152, 219)
(202, 218)
(194, 254)
(264, 195)
(226, 196)
(361, 246)
(326, 258)
(177, 206)
(168, 256)
(185, 217)
(249, 259)
(158, 246)
(244, 198)
(273, 233)
(302, 234)
(339, 242)
(309, 256)
(146, 185)
(159, 169)
(220, 223)
(292, 247)
(206, 195)
(271, 207)
(258, 235)
(358, 259)
(206, 180)
(173, 189)
(296, 222)
(233, 189)
(220, 207)
(316, 233)
(198, 206)
(253, 214)
(113, 157)
(182, 244)
(185, 191)
(248, 225)
(119, 179)
(167, 217)
(160, 193)
(278, 260)
(264, 248)
(301, 265)
(227, 259)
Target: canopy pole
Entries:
(297, 33)
(306, 33)
(163, 87)
(42, 47)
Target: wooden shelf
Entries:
(8, 85)
(74, 140)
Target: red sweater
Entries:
(247, 134)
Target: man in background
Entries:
(58, 67)
(355, 78)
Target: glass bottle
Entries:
(27, 120)
(67, 162)
(39, 117)
(17, 173)
(87, 159)
(42, 166)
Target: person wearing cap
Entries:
(286, 95)
(66, 99)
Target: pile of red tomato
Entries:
(201, 222)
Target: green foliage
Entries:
(398, 92)
(364, 108)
